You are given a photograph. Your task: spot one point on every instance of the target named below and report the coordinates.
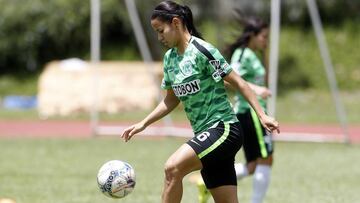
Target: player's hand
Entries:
(270, 124)
(132, 130)
(263, 92)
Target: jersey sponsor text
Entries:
(186, 88)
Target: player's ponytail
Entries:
(167, 10)
(252, 26)
(188, 19)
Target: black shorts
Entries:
(258, 142)
(216, 148)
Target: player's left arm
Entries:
(241, 85)
(262, 91)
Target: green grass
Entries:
(64, 171)
(311, 106)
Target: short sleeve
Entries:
(218, 67)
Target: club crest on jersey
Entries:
(186, 68)
(187, 88)
(219, 71)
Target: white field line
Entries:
(187, 132)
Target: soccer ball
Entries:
(116, 179)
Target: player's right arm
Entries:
(163, 108)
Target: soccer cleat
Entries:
(204, 193)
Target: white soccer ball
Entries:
(116, 179)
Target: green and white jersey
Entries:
(250, 69)
(196, 79)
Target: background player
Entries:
(258, 143)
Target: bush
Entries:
(301, 65)
(35, 32)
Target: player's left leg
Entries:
(180, 163)
(222, 186)
(218, 152)
(225, 194)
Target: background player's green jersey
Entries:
(196, 79)
(250, 69)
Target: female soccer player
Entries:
(258, 144)
(193, 73)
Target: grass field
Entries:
(62, 170)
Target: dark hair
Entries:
(167, 10)
(251, 26)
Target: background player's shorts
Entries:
(258, 142)
(216, 148)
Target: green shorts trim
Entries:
(259, 133)
(218, 142)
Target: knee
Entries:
(172, 172)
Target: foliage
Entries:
(332, 12)
(22, 85)
(301, 65)
(300, 62)
(33, 33)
